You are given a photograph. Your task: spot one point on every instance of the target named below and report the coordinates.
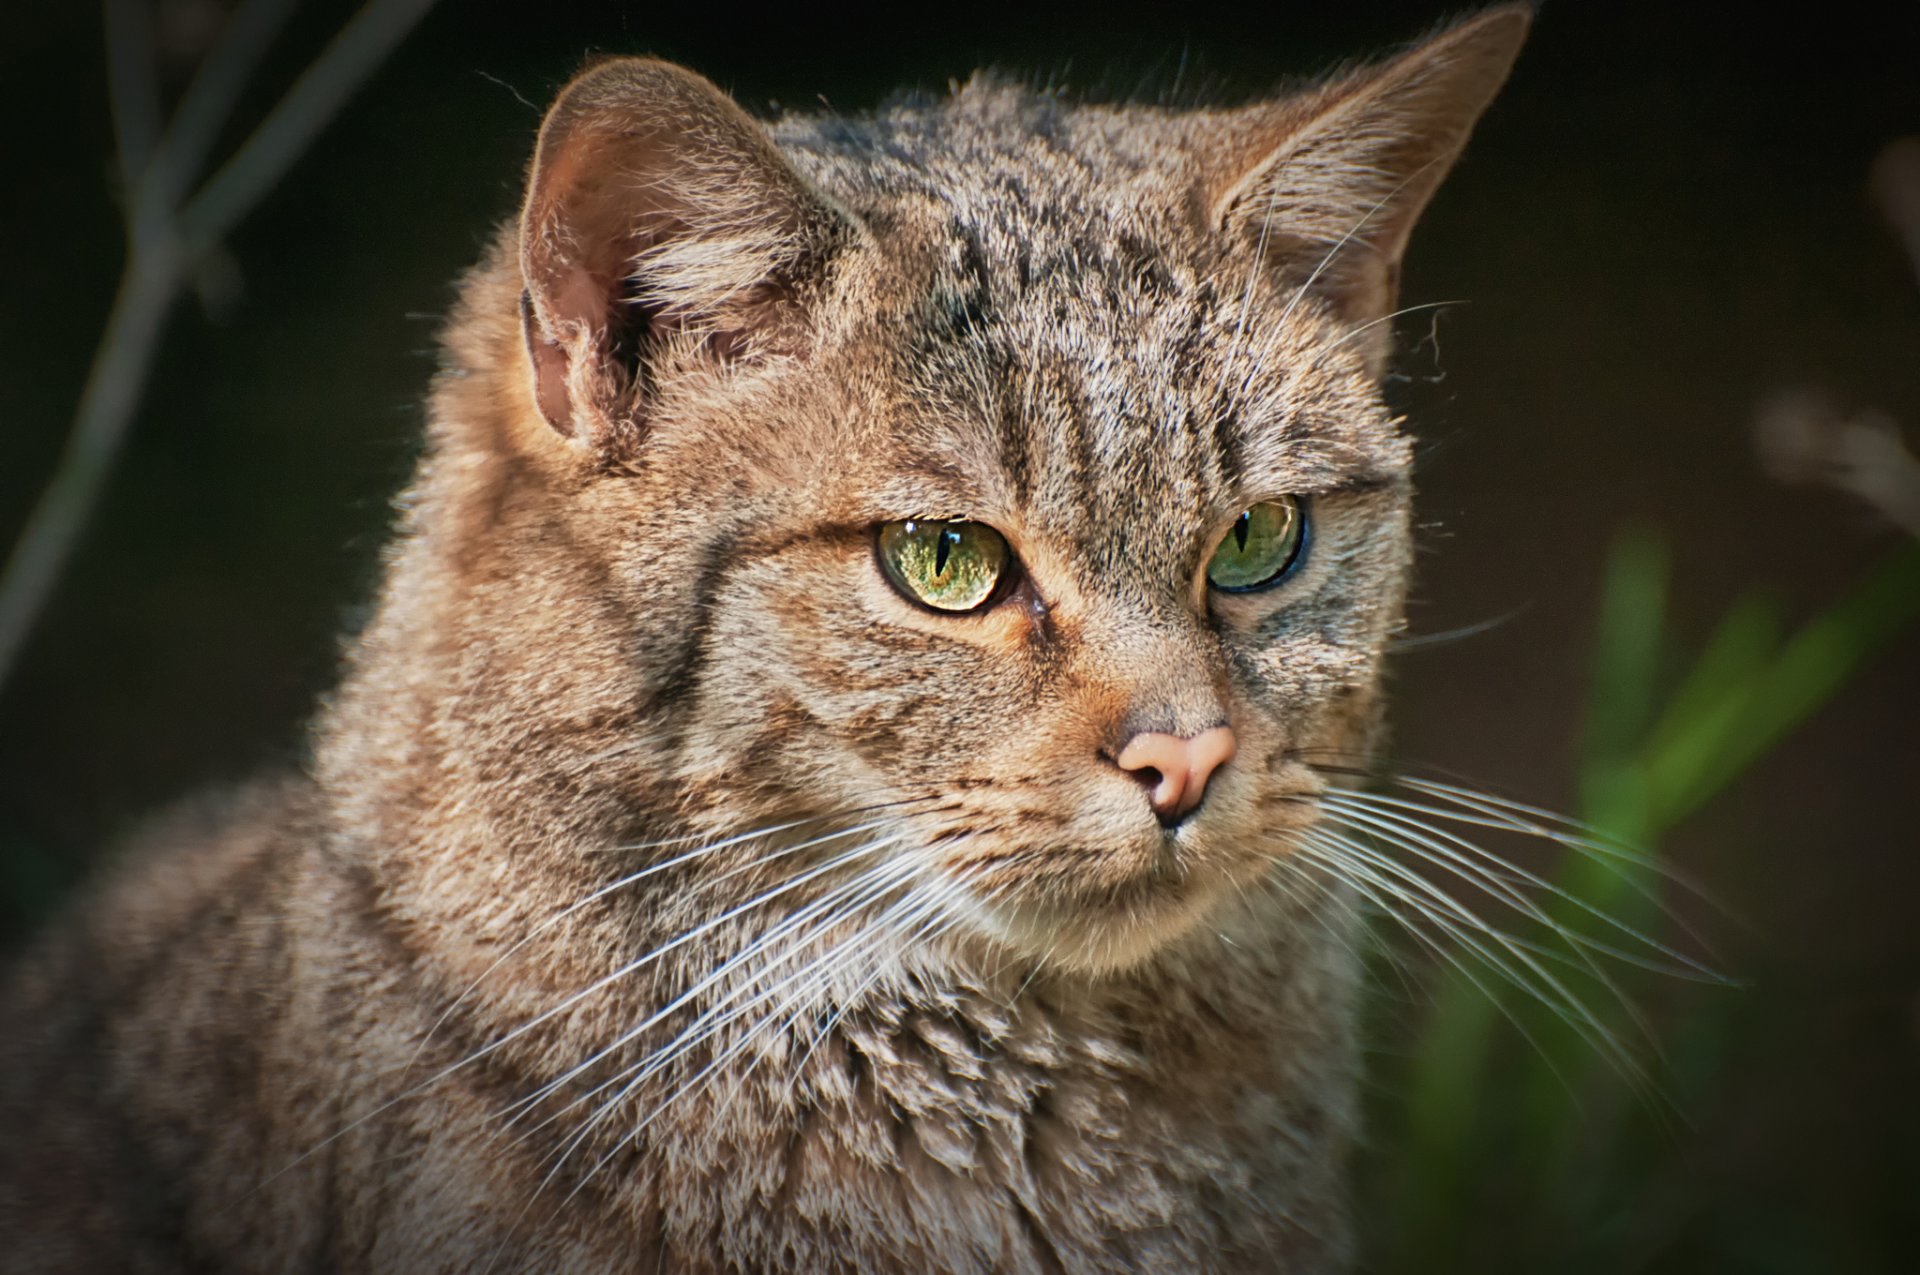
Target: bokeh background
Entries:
(1662, 221)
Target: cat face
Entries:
(1113, 451)
(1098, 342)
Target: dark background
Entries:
(1661, 220)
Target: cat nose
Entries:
(1175, 768)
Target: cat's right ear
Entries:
(657, 212)
(1327, 185)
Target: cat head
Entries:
(1004, 478)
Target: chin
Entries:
(1108, 931)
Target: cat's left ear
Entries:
(1328, 186)
(661, 224)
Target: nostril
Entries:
(1175, 769)
(1160, 763)
(1150, 778)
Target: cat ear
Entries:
(657, 212)
(1328, 186)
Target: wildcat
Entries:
(826, 783)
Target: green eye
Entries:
(1264, 542)
(949, 566)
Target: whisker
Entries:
(1519, 966)
(1246, 298)
(659, 1059)
(1522, 973)
(1483, 809)
(621, 884)
(1382, 814)
(1322, 350)
(1307, 287)
(843, 903)
(1488, 811)
(939, 909)
(844, 951)
(680, 940)
(932, 906)
(1445, 637)
(1517, 816)
(677, 942)
(1278, 881)
(826, 902)
(1330, 860)
(665, 843)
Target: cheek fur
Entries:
(803, 645)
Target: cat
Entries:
(828, 781)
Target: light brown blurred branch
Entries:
(170, 231)
(1805, 436)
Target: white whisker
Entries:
(1397, 819)
(1519, 965)
(826, 902)
(679, 941)
(613, 888)
(842, 953)
(1322, 350)
(1331, 861)
(862, 889)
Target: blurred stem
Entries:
(290, 127)
(1444, 1122)
(165, 241)
(1620, 703)
(133, 90)
(1689, 763)
(118, 374)
(1566, 1112)
(208, 105)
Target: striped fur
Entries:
(669, 892)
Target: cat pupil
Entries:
(1240, 529)
(942, 547)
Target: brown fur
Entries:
(634, 611)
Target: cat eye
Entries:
(1260, 548)
(949, 566)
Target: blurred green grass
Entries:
(1501, 1139)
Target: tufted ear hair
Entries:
(1327, 186)
(659, 218)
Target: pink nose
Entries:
(1183, 766)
